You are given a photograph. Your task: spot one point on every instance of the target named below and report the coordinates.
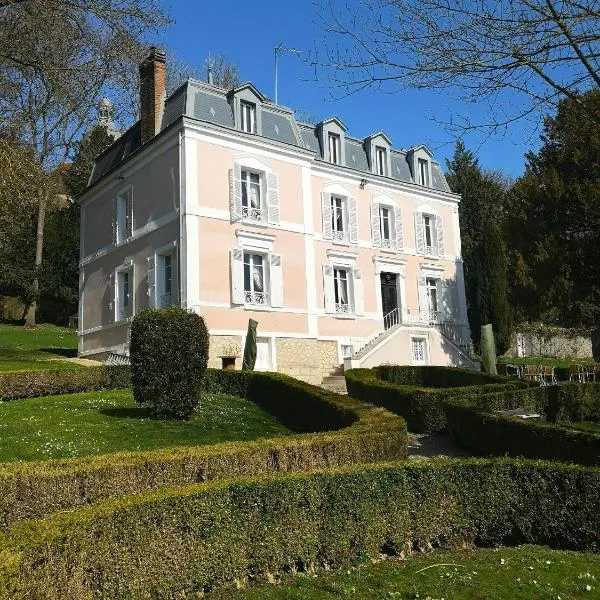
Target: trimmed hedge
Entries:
(169, 352)
(31, 384)
(362, 433)
(475, 427)
(398, 389)
(185, 542)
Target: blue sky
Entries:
(247, 33)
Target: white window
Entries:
(339, 215)
(428, 233)
(124, 292)
(248, 111)
(124, 216)
(347, 350)
(385, 226)
(340, 287)
(165, 293)
(252, 201)
(380, 161)
(423, 172)
(432, 299)
(334, 148)
(254, 279)
(419, 350)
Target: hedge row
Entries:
(31, 384)
(363, 434)
(185, 542)
(474, 426)
(421, 407)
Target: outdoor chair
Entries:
(532, 372)
(548, 376)
(577, 373)
(514, 370)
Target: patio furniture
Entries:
(514, 370)
(548, 376)
(577, 373)
(532, 372)
(593, 372)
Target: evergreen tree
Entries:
(483, 250)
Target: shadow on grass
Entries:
(66, 352)
(129, 412)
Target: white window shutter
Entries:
(326, 209)
(352, 220)
(276, 276)
(273, 197)
(398, 228)
(328, 289)
(423, 302)
(419, 233)
(151, 282)
(235, 192)
(237, 276)
(359, 301)
(375, 228)
(447, 300)
(439, 232)
(114, 222)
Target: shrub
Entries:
(169, 352)
(361, 433)
(421, 406)
(474, 426)
(185, 542)
(31, 384)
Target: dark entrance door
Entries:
(389, 293)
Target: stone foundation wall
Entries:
(222, 344)
(553, 343)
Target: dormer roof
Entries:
(380, 134)
(248, 86)
(336, 120)
(421, 147)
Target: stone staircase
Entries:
(335, 383)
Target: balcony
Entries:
(256, 298)
(125, 312)
(257, 215)
(342, 308)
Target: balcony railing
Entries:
(386, 243)
(258, 298)
(253, 214)
(342, 308)
(339, 235)
(165, 300)
(125, 312)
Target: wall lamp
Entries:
(363, 182)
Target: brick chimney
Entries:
(153, 85)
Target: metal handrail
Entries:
(392, 318)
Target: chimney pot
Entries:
(153, 87)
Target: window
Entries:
(423, 172)
(340, 286)
(428, 233)
(124, 302)
(380, 161)
(165, 280)
(419, 351)
(385, 226)
(254, 279)
(334, 148)
(252, 197)
(124, 216)
(347, 350)
(338, 218)
(432, 299)
(248, 111)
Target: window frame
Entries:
(124, 313)
(337, 234)
(381, 161)
(386, 242)
(247, 109)
(341, 307)
(256, 215)
(334, 145)
(431, 286)
(428, 229)
(124, 216)
(423, 168)
(251, 296)
(425, 350)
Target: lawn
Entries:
(45, 347)
(588, 426)
(518, 573)
(548, 362)
(109, 421)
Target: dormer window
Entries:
(423, 172)
(248, 112)
(334, 148)
(380, 161)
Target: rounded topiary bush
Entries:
(169, 352)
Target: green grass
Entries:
(586, 426)
(45, 347)
(548, 362)
(110, 421)
(520, 573)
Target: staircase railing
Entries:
(392, 318)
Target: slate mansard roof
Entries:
(204, 102)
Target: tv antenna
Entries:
(278, 49)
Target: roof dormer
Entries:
(245, 101)
(419, 159)
(332, 137)
(377, 147)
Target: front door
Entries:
(389, 296)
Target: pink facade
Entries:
(235, 225)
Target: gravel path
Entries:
(426, 445)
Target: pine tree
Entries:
(483, 250)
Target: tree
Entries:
(553, 221)
(521, 57)
(225, 73)
(57, 58)
(483, 249)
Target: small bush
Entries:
(399, 389)
(169, 352)
(474, 426)
(182, 543)
(31, 384)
